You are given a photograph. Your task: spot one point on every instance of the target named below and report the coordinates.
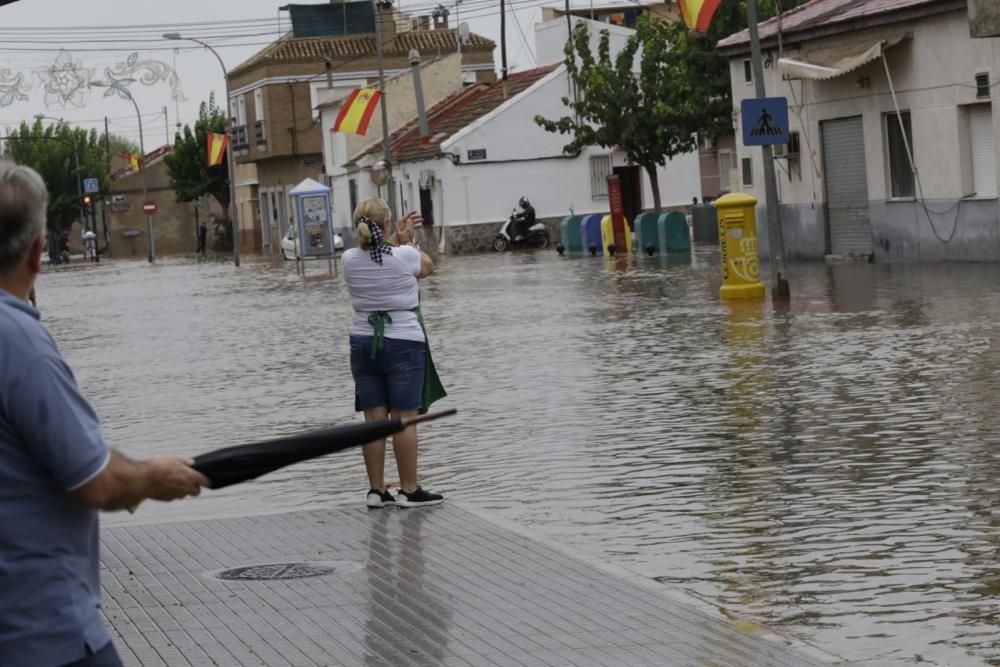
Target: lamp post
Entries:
(123, 92)
(176, 36)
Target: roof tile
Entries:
(453, 113)
(822, 13)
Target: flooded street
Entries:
(831, 470)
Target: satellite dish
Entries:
(463, 33)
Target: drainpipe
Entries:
(418, 90)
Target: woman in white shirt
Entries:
(389, 356)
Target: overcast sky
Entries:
(32, 32)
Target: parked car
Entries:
(290, 247)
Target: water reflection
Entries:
(829, 467)
(399, 603)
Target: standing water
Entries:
(830, 469)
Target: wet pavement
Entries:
(435, 587)
(829, 469)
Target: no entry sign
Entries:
(149, 206)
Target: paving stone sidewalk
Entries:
(433, 586)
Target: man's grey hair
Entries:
(24, 200)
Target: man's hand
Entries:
(172, 478)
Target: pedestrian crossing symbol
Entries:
(765, 121)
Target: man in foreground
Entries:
(56, 471)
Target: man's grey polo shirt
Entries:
(50, 444)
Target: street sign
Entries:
(765, 121)
(149, 207)
(91, 186)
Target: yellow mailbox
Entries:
(738, 247)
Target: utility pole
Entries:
(383, 106)
(503, 41)
(775, 237)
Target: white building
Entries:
(484, 151)
(850, 71)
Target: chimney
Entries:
(386, 18)
(440, 15)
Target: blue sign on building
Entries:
(765, 121)
(91, 186)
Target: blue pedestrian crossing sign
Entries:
(765, 121)
(91, 186)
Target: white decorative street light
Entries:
(124, 93)
(176, 36)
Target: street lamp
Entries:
(176, 36)
(79, 174)
(123, 92)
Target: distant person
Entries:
(56, 471)
(525, 218)
(389, 357)
(202, 239)
(90, 244)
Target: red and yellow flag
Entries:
(217, 144)
(134, 161)
(357, 112)
(698, 14)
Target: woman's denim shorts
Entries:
(394, 379)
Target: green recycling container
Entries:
(572, 238)
(674, 233)
(647, 233)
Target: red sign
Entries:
(149, 206)
(617, 211)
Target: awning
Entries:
(825, 64)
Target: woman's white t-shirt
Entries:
(390, 286)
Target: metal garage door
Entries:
(846, 187)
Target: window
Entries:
(240, 114)
(352, 193)
(982, 150)
(901, 181)
(260, 133)
(600, 169)
(725, 171)
(747, 172)
(983, 86)
(747, 71)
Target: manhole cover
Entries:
(277, 571)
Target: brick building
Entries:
(275, 94)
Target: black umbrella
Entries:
(232, 465)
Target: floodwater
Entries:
(831, 469)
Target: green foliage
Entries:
(51, 151)
(188, 163)
(652, 109)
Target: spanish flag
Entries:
(134, 161)
(357, 111)
(698, 14)
(217, 144)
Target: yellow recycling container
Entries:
(738, 247)
(608, 237)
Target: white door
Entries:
(984, 165)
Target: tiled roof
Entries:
(288, 49)
(454, 113)
(822, 14)
(150, 160)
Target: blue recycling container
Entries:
(571, 234)
(590, 233)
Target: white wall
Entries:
(933, 74)
(551, 37)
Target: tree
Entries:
(51, 151)
(652, 109)
(188, 165)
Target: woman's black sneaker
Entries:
(418, 498)
(378, 498)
